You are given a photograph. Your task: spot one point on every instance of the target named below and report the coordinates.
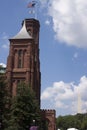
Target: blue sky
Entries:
(63, 49)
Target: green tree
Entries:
(78, 121)
(2, 84)
(5, 99)
(24, 109)
(59, 122)
(84, 123)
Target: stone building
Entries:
(23, 63)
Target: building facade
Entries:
(23, 63)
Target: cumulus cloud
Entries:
(69, 21)
(3, 65)
(65, 95)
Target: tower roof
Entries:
(22, 34)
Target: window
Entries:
(20, 60)
(19, 53)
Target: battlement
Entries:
(48, 110)
(49, 116)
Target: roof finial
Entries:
(32, 10)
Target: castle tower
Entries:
(23, 64)
(23, 60)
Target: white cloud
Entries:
(69, 21)
(47, 22)
(65, 95)
(3, 65)
(60, 105)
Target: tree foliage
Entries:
(24, 109)
(4, 100)
(78, 121)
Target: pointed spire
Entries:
(22, 34)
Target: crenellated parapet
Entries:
(49, 115)
(48, 110)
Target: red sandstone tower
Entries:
(23, 62)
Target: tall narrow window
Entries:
(20, 60)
